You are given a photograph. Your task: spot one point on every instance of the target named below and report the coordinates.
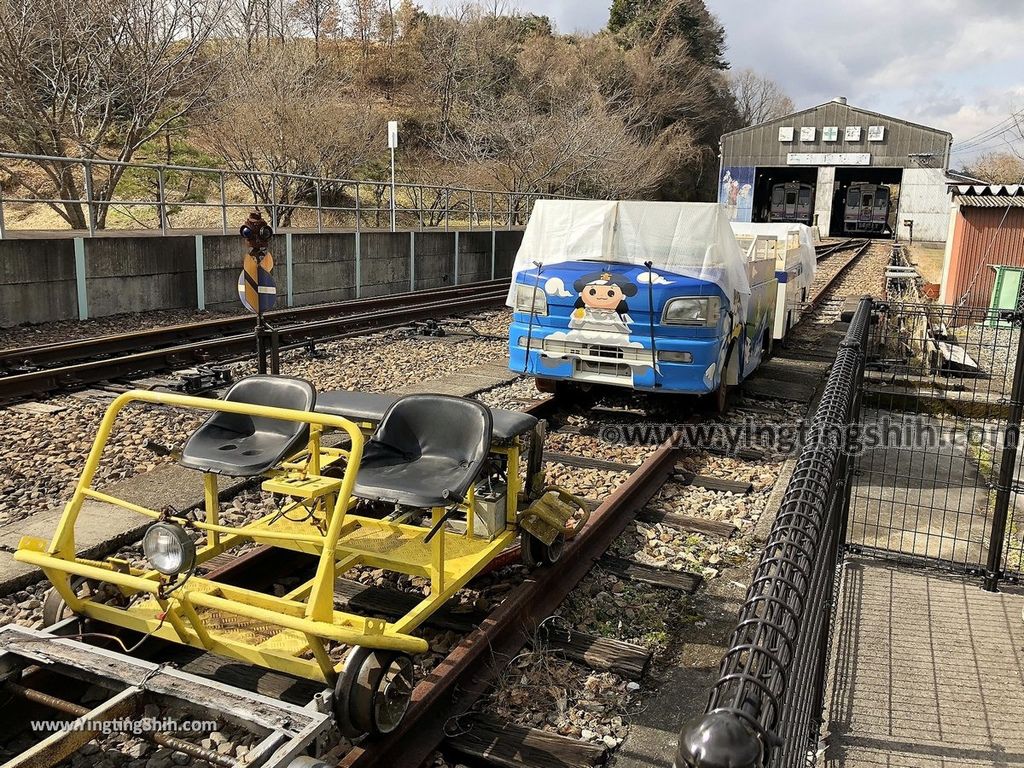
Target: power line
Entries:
(983, 138)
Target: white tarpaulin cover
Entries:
(808, 256)
(690, 239)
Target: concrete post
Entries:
(412, 260)
(223, 206)
(359, 271)
(456, 257)
(200, 274)
(1, 212)
(83, 297)
(288, 265)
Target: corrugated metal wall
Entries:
(978, 244)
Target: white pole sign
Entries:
(392, 145)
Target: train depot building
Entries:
(846, 170)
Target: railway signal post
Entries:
(256, 287)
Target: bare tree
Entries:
(997, 168)
(318, 18)
(758, 98)
(555, 133)
(303, 127)
(95, 79)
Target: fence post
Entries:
(447, 206)
(472, 209)
(358, 214)
(1008, 458)
(90, 213)
(200, 274)
(319, 210)
(161, 210)
(223, 206)
(1, 212)
(273, 201)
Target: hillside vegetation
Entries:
(486, 97)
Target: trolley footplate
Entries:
(285, 731)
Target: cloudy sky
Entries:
(950, 64)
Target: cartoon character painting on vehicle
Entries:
(600, 315)
(648, 296)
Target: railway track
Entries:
(831, 249)
(37, 371)
(455, 686)
(822, 297)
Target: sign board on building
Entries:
(830, 133)
(807, 134)
(786, 133)
(853, 133)
(828, 158)
(876, 132)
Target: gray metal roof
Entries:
(989, 201)
(988, 190)
(903, 144)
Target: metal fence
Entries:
(766, 707)
(942, 411)
(53, 193)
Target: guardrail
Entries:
(766, 707)
(96, 194)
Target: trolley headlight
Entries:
(531, 299)
(703, 310)
(168, 548)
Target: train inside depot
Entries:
(652, 296)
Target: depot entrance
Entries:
(766, 178)
(890, 177)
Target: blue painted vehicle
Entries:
(650, 296)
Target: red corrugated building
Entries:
(985, 251)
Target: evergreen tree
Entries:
(660, 21)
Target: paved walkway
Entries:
(928, 670)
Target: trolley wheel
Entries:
(55, 609)
(373, 692)
(536, 553)
(548, 386)
(720, 397)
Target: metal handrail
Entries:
(442, 207)
(765, 709)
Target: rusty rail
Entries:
(419, 306)
(468, 671)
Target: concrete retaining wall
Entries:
(37, 281)
(60, 278)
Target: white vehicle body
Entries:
(792, 247)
